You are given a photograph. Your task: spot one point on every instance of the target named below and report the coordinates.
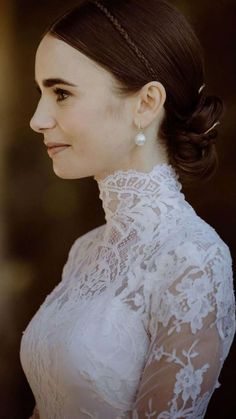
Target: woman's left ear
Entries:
(151, 100)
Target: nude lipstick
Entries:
(55, 148)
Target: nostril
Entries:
(41, 121)
(36, 126)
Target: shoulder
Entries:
(194, 277)
(193, 242)
(85, 240)
(194, 256)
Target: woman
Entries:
(144, 316)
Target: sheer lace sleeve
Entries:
(192, 326)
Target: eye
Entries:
(61, 94)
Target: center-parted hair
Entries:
(139, 41)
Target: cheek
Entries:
(83, 118)
(92, 129)
(75, 124)
(83, 130)
(82, 122)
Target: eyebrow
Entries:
(52, 82)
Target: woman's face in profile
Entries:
(87, 128)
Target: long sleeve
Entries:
(194, 323)
(144, 316)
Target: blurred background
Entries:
(41, 215)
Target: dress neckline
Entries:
(123, 189)
(163, 168)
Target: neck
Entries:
(140, 208)
(125, 191)
(142, 160)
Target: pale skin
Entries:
(97, 126)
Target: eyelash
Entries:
(60, 92)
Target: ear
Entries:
(149, 103)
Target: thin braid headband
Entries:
(125, 35)
(128, 39)
(134, 47)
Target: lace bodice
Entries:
(144, 316)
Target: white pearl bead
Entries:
(140, 139)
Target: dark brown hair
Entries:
(138, 41)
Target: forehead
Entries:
(56, 58)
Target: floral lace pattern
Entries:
(144, 316)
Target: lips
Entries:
(54, 148)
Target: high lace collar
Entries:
(127, 191)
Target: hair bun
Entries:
(192, 142)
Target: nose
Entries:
(42, 119)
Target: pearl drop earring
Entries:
(140, 138)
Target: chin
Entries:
(63, 174)
(67, 175)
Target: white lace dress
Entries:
(144, 316)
